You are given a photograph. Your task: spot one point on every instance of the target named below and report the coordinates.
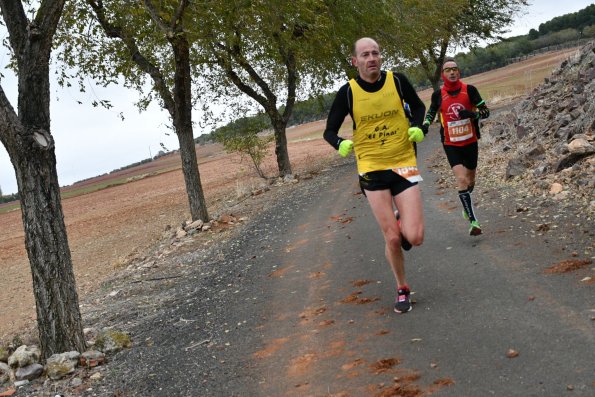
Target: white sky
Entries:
(92, 141)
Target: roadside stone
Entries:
(75, 382)
(540, 170)
(196, 225)
(181, 233)
(568, 161)
(29, 372)
(521, 131)
(20, 383)
(4, 373)
(556, 188)
(92, 358)
(110, 341)
(536, 153)
(515, 167)
(60, 365)
(24, 355)
(581, 146)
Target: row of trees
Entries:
(192, 53)
(9, 197)
(498, 55)
(481, 59)
(574, 20)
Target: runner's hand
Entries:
(467, 114)
(345, 147)
(415, 134)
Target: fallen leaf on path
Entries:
(360, 283)
(384, 364)
(511, 353)
(444, 382)
(568, 265)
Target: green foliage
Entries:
(245, 136)
(501, 54)
(589, 31)
(576, 20)
(204, 139)
(84, 48)
(276, 53)
(9, 197)
(440, 28)
(554, 38)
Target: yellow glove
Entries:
(345, 147)
(415, 134)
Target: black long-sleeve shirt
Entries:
(343, 105)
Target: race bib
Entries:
(460, 130)
(410, 173)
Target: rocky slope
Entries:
(545, 142)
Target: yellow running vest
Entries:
(380, 138)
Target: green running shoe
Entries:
(475, 229)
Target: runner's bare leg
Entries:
(381, 203)
(464, 176)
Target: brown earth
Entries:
(109, 227)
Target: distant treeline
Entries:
(583, 19)
(564, 31)
(9, 197)
(145, 161)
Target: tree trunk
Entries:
(28, 141)
(182, 120)
(279, 126)
(54, 287)
(178, 104)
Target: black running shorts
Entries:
(384, 180)
(464, 155)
